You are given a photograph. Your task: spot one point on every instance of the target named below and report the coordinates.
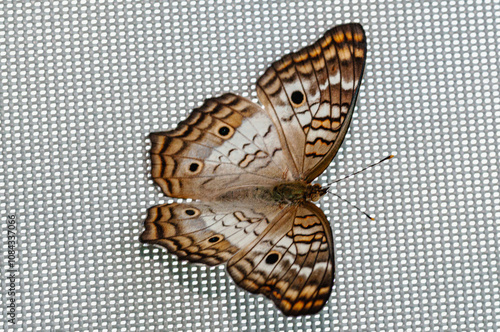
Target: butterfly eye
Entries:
(214, 239)
(272, 258)
(224, 131)
(297, 98)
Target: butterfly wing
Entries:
(227, 143)
(205, 233)
(284, 253)
(311, 94)
(291, 262)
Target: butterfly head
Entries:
(315, 192)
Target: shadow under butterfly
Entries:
(251, 170)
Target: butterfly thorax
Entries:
(297, 191)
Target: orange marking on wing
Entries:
(308, 305)
(298, 306)
(315, 51)
(327, 41)
(348, 35)
(339, 37)
(303, 238)
(335, 125)
(301, 57)
(265, 289)
(307, 221)
(318, 146)
(287, 61)
(358, 37)
(323, 124)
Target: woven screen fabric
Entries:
(83, 83)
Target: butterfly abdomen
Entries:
(247, 194)
(282, 193)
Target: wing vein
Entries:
(280, 126)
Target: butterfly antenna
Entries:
(362, 170)
(348, 176)
(354, 206)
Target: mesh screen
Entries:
(83, 83)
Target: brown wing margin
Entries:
(350, 44)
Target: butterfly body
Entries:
(293, 192)
(251, 168)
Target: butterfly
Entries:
(250, 170)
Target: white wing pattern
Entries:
(251, 169)
(206, 233)
(227, 143)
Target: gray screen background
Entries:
(82, 84)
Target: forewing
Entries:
(227, 143)
(311, 94)
(291, 262)
(208, 233)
